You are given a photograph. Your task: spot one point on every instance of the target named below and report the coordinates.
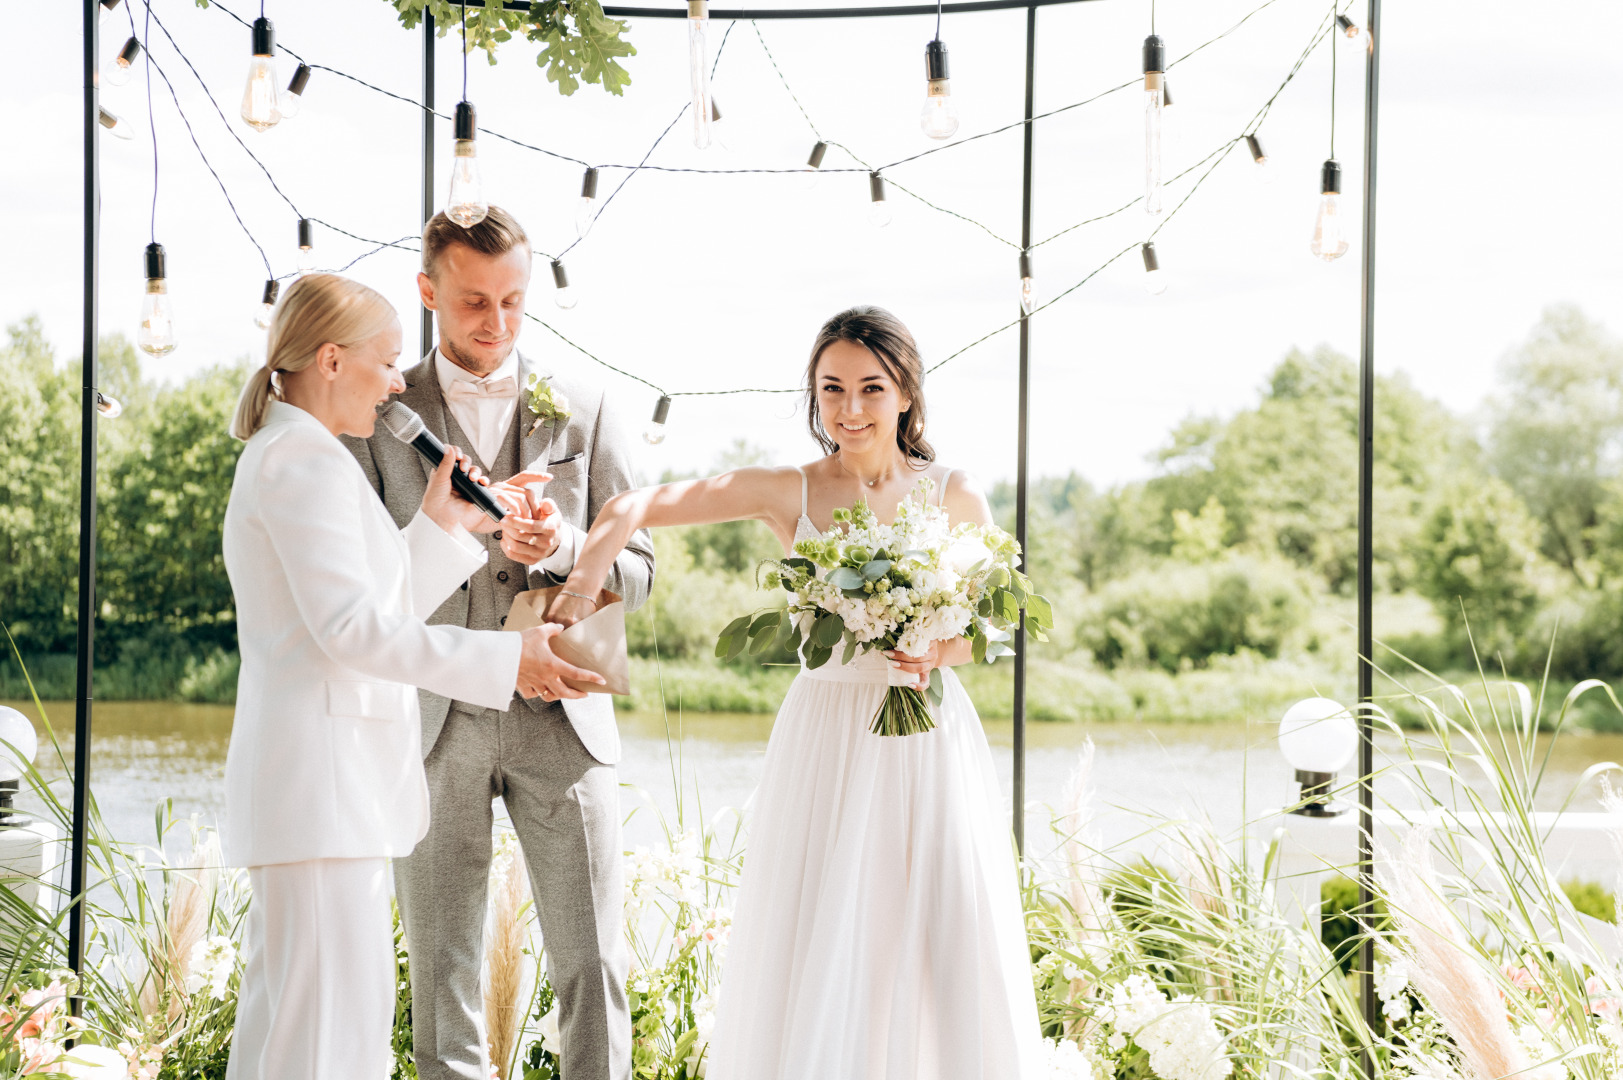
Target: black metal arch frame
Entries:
(1366, 416)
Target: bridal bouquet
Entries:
(865, 587)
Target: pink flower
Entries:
(45, 1005)
(1602, 1001)
(1520, 978)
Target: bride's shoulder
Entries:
(961, 493)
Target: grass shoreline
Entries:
(1239, 689)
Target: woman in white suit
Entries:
(324, 776)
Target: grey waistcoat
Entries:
(493, 586)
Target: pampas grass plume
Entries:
(503, 977)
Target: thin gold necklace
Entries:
(839, 460)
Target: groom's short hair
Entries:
(497, 234)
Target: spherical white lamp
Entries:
(1318, 737)
(17, 731)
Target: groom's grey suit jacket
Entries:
(589, 463)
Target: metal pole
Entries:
(87, 504)
(1366, 537)
(1022, 479)
(428, 158)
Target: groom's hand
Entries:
(541, 672)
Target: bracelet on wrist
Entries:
(579, 596)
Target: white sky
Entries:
(1498, 154)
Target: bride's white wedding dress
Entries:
(878, 933)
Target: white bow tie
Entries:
(484, 388)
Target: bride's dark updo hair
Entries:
(882, 334)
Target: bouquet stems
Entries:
(903, 712)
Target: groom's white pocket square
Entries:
(596, 643)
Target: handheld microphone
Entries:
(408, 427)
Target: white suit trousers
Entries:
(317, 999)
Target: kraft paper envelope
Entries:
(596, 643)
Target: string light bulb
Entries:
(586, 211)
(116, 125)
(654, 433)
(466, 205)
(1260, 156)
(107, 9)
(1349, 28)
(813, 164)
(878, 208)
(156, 336)
(562, 295)
(260, 107)
(124, 63)
(1155, 281)
(1329, 235)
(307, 245)
(267, 304)
(293, 97)
(940, 116)
(1028, 288)
(1155, 63)
(108, 406)
(699, 71)
(721, 133)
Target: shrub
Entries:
(1175, 613)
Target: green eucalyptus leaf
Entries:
(876, 569)
(938, 686)
(845, 578)
(977, 649)
(816, 656)
(827, 631)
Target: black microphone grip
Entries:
(434, 450)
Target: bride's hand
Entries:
(920, 666)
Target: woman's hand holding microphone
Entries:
(541, 672)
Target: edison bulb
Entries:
(654, 433)
(565, 297)
(307, 259)
(1329, 232)
(108, 406)
(107, 9)
(288, 102)
(939, 118)
(157, 332)
(260, 107)
(1153, 108)
(879, 214)
(466, 206)
(585, 215)
(262, 315)
(1155, 282)
(699, 72)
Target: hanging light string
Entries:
(751, 171)
(464, 51)
(229, 126)
(1214, 159)
(686, 105)
(155, 66)
(152, 124)
(1333, 52)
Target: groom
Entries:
(551, 763)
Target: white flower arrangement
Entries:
(905, 586)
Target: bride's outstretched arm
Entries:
(759, 494)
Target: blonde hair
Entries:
(316, 310)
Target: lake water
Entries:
(145, 752)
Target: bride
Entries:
(878, 933)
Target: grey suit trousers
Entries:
(565, 807)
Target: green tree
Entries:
(1479, 550)
(1556, 431)
(39, 491)
(1286, 471)
(163, 566)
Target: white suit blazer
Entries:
(326, 756)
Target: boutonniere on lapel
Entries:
(545, 401)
